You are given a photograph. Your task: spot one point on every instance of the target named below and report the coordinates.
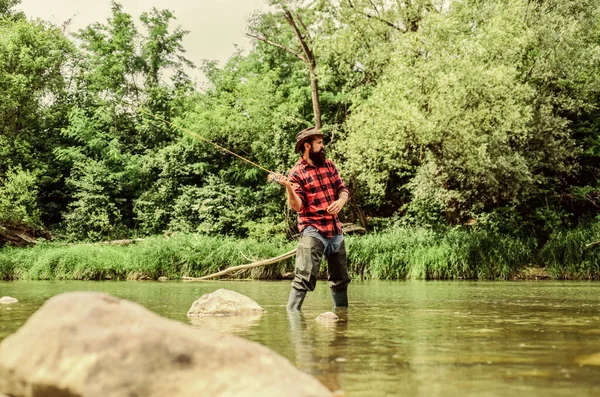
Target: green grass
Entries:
(180, 255)
(396, 254)
(567, 256)
(424, 254)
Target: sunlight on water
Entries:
(398, 338)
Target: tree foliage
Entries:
(479, 113)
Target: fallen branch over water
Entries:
(592, 244)
(263, 262)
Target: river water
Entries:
(411, 338)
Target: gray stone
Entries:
(7, 300)
(163, 278)
(327, 317)
(224, 302)
(92, 344)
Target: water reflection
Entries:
(227, 324)
(321, 348)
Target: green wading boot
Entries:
(295, 300)
(340, 299)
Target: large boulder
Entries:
(93, 344)
(224, 302)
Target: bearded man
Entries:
(317, 193)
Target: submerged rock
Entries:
(7, 300)
(327, 317)
(224, 302)
(94, 344)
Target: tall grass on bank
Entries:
(424, 254)
(180, 255)
(395, 254)
(568, 256)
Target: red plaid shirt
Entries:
(317, 187)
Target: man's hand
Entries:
(335, 207)
(280, 178)
(294, 201)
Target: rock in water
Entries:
(224, 302)
(327, 317)
(92, 344)
(7, 300)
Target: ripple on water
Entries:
(401, 338)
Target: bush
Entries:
(18, 199)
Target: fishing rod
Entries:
(272, 177)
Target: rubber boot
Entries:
(340, 298)
(295, 300)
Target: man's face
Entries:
(317, 145)
(317, 151)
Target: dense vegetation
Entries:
(472, 121)
(398, 253)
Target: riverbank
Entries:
(396, 254)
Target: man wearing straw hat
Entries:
(317, 193)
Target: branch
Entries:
(297, 55)
(264, 262)
(307, 52)
(305, 28)
(375, 7)
(376, 17)
(592, 244)
(388, 23)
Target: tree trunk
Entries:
(309, 60)
(314, 87)
(307, 56)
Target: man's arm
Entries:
(335, 207)
(342, 193)
(293, 199)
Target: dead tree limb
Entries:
(263, 262)
(310, 61)
(592, 244)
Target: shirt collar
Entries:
(305, 163)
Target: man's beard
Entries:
(318, 158)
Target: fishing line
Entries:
(273, 177)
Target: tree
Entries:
(112, 142)
(7, 9)
(456, 128)
(34, 61)
(293, 18)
